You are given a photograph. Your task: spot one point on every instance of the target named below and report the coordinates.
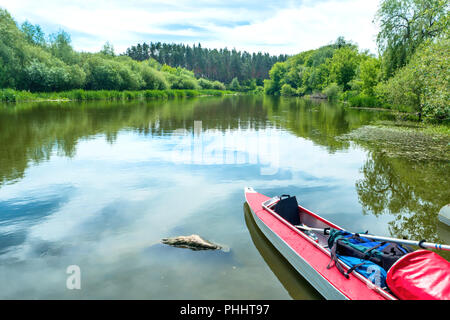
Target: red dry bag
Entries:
(420, 275)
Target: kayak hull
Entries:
(326, 289)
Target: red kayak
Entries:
(302, 237)
(309, 254)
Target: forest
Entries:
(215, 64)
(410, 74)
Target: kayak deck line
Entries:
(309, 256)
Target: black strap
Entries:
(336, 261)
(354, 267)
(373, 248)
(421, 242)
(338, 264)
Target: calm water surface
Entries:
(99, 184)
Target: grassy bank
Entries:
(10, 95)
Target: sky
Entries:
(277, 27)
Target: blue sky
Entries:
(269, 26)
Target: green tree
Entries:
(12, 51)
(343, 66)
(332, 91)
(432, 65)
(369, 73)
(60, 47)
(276, 74)
(404, 25)
(212, 64)
(287, 90)
(217, 85)
(234, 84)
(33, 33)
(423, 84)
(108, 49)
(102, 74)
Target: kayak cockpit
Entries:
(298, 216)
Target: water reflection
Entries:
(32, 132)
(412, 192)
(99, 183)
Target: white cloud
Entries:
(292, 30)
(287, 27)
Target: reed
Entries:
(11, 95)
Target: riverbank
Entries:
(11, 95)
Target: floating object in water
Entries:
(193, 242)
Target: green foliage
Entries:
(11, 95)
(259, 90)
(343, 66)
(220, 65)
(370, 74)
(287, 90)
(152, 78)
(29, 62)
(402, 91)
(12, 51)
(33, 33)
(432, 67)
(364, 101)
(405, 25)
(108, 49)
(277, 73)
(423, 84)
(60, 47)
(217, 85)
(205, 84)
(234, 85)
(332, 91)
(312, 71)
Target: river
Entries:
(98, 184)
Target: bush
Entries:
(234, 85)
(258, 90)
(153, 79)
(205, 84)
(364, 101)
(332, 91)
(218, 85)
(8, 95)
(190, 84)
(288, 91)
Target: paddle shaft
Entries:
(421, 244)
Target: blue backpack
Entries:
(371, 271)
(362, 254)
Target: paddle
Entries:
(422, 243)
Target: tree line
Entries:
(215, 64)
(33, 61)
(411, 72)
